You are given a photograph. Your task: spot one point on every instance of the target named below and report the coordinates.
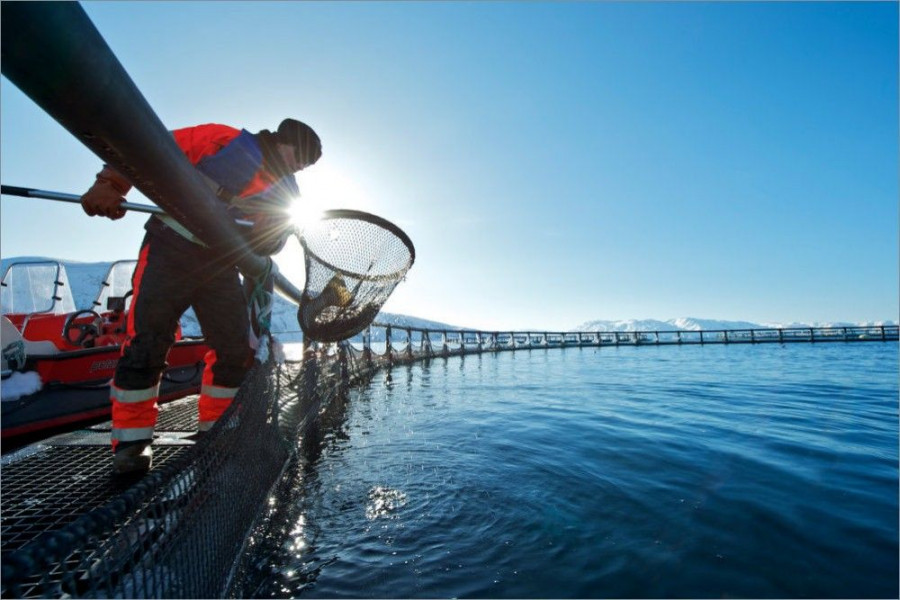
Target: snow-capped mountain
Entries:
(683, 324)
(694, 324)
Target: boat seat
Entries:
(10, 334)
(39, 332)
(40, 347)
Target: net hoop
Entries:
(354, 260)
(358, 215)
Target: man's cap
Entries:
(301, 136)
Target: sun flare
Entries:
(322, 188)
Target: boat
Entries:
(58, 361)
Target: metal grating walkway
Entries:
(50, 484)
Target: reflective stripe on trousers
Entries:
(214, 401)
(134, 414)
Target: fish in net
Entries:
(354, 260)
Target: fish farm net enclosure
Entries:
(188, 528)
(177, 531)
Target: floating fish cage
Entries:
(71, 529)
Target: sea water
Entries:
(691, 471)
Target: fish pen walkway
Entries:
(68, 527)
(431, 342)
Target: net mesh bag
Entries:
(354, 261)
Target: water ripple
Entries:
(630, 472)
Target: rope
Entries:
(261, 300)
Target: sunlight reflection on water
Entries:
(383, 502)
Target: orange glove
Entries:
(106, 196)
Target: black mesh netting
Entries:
(354, 261)
(177, 532)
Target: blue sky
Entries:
(553, 162)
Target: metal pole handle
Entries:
(13, 190)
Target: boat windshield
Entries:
(36, 287)
(116, 284)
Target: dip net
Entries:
(354, 260)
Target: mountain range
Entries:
(695, 324)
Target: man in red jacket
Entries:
(253, 174)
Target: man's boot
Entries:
(132, 457)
